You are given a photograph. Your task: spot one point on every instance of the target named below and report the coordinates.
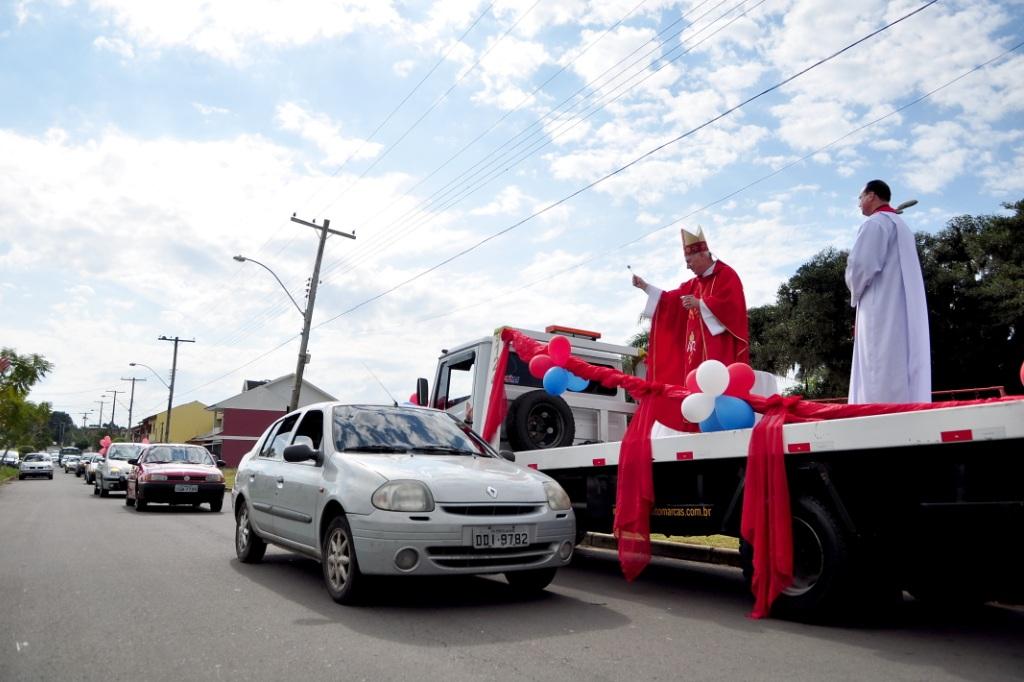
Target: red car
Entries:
(173, 473)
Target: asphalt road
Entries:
(92, 590)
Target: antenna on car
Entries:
(381, 384)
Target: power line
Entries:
(632, 163)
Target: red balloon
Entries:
(741, 380)
(559, 349)
(691, 382)
(1022, 372)
(414, 400)
(668, 411)
(540, 364)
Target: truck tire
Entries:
(822, 572)
(537, 421)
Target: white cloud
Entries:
(208, 110)
(324, 133)
(403, 67)
(115, 45)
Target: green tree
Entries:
(19, 418)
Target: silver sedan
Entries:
(368, 489)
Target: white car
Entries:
(70, 463)
(35, 464)
(112, 471)
(369, 489)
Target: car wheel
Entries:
(128, 500)
(249, 547)
(216, 505)
(533, 580)
(140, 504)
(103, 491)
(338, 560)
(20, 477)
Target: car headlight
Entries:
(557, 498)
(115, 470)
(154, 477)
(215, 478)
(403, 496)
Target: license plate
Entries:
(499, 537)
(185, 488)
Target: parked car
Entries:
(112, 470)
(70, 463)
(175, 473)
(10, 458)
(35, 464)
(368, 489)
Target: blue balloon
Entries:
(556, 380)
(710, 424)
(577, 383)
(733, 413)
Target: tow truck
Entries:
(931, 502)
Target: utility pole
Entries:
(101, 402)
(131, 403)
(307, 317)
(84, 415)
(174, 371)
(113, 407)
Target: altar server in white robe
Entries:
(891, 350)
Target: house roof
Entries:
(273, 395)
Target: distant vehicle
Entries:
(369, 489)
(10, 458)
(80, 467)
(64, 452)
(90, 469)
(112, 470)
(70, 463)
(175, 473)
(35, 464)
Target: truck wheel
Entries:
(537, 421)
(822, 572)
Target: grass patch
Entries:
(229, 477)
(7, 473)
(720, 541)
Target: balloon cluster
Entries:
(104, 444)
(550, 368)
(716, 401)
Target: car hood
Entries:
(455, 478)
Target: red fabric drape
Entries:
(766, 520)
(497, 404)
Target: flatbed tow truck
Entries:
(931, 502)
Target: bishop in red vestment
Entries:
(704, 319)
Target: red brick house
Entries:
(241, 419)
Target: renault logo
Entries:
(187, 478)
(492, 491)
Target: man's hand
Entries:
(690, 302)
(639, 282)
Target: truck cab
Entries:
(535, 420)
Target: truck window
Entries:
(455, 381)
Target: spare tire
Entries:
(537, 421)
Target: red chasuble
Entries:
(680, 339)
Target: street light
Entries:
(241, 259)
(139, 364)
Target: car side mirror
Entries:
(508, 454)
(301, 452)
(421, 392)
(134, 461)
(221, 464)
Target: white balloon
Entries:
(712, 377)
(697, 407)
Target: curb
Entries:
(673, 550)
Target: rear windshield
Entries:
(375, 428)
(70, 451)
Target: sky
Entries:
(501, 163)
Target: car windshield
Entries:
(184, 454)
(371, 428)
(36, 458)
(70, 451)
(123, 451)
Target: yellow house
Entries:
(187, 421)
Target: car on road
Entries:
(370, 489)
(175, 473)
(10, 458)
(112, 470)
(89, 473)
(70, 463)
(64, 452)
(83, 463)
(35, 464)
